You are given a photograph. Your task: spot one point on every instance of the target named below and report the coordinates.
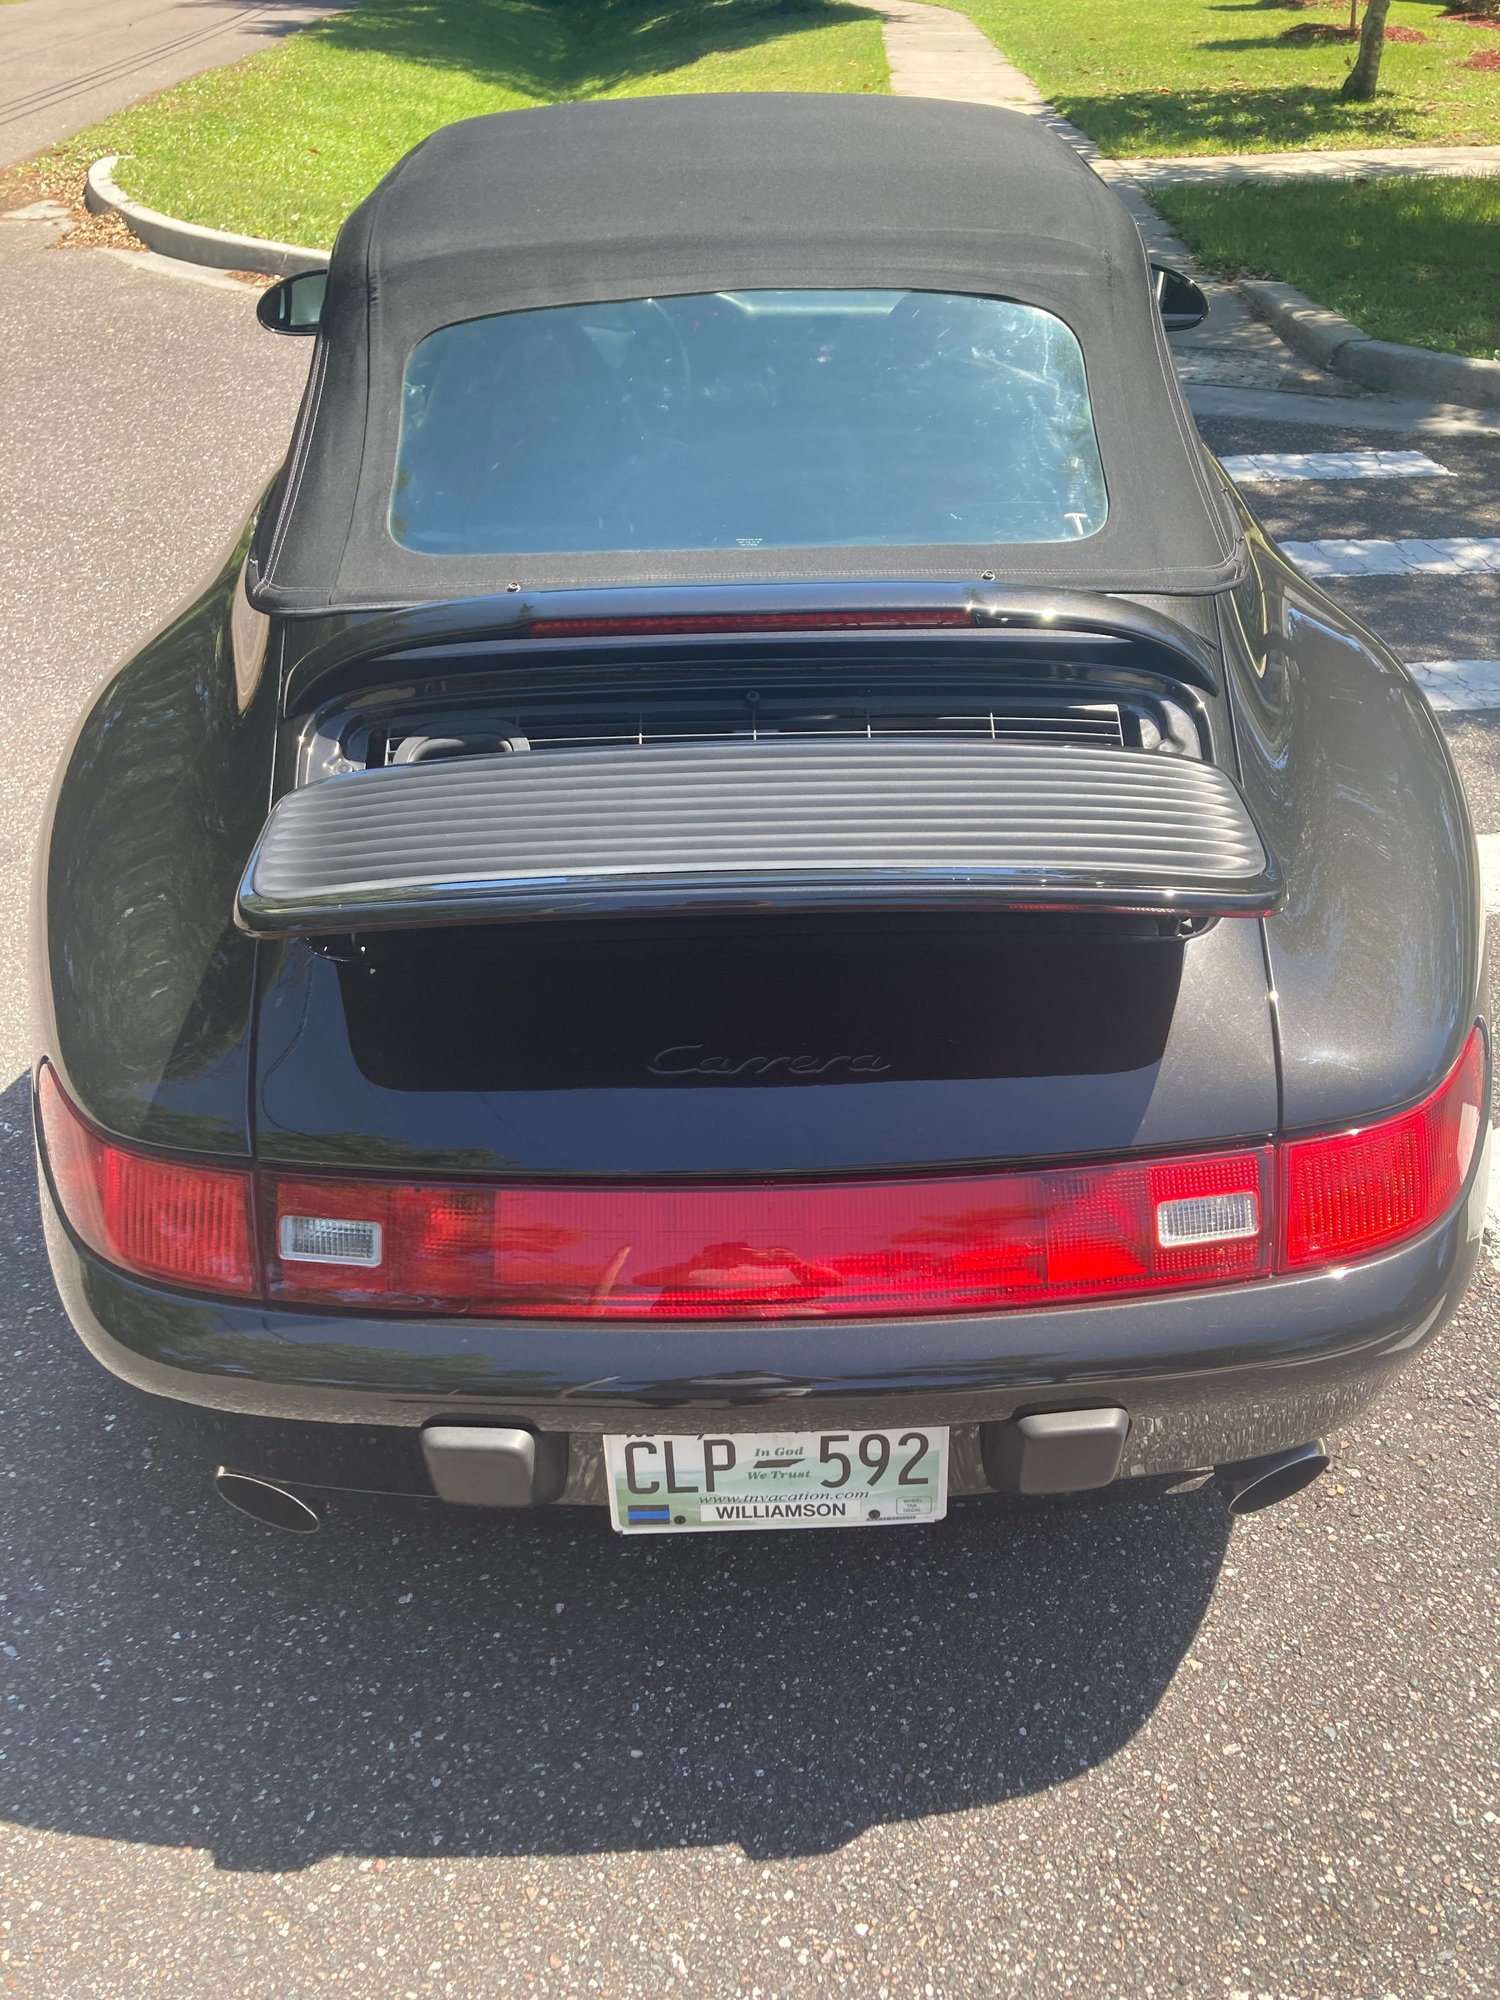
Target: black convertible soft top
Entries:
(656, 197)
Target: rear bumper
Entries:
(330, 1400)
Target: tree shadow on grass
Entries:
(1303, 7)
(1238, 120)
(1283, 38)
(418, 1679)
(558, 50)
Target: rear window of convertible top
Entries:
(747, 420)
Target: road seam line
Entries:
(1458, 687)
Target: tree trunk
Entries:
(1361, 80)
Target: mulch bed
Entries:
(1323, 31)
(1491, 21)
(1482, 59)
(45, 179)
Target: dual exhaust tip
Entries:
(1254, 1483)
(1246, 1486)
(273, 1506)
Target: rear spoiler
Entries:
(878, 615)
(784, 823)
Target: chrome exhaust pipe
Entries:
(1254, 1483)
(271, 1505)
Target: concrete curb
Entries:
(186, 241)
(1346, 349)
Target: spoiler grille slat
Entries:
(785, 822)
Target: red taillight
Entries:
(742, 621)
(163, 1218)
(1348, 1194)
(956, 1244)
(915, 1246)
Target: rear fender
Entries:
(143, 985)
(1376, 950)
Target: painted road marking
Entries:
(1489, 868)
(1458, 686)
(1492, 1213)
(1456, 555)
(1266, 467)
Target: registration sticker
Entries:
(665, 1485)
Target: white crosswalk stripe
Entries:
(1489, 868)
(1271, 467)
(1458, 686)
(1453, 555)
(1453, 687)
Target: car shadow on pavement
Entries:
(419, 1680)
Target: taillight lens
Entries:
(163, 1218)
(971, 1244)
(1349, 1194)
(954, 1244)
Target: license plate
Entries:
(678, 1485)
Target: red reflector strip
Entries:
(741, 621)
(1349, 1194)
(160, 1217)
(958, 1244)
(975, 1244)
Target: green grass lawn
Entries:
(1215, 76)
(1406, 260)
(285, 144)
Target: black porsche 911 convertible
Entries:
(753, 897)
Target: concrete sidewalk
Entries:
(1366, 163)
(67, 63)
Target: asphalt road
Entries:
(67, 63)
(1099, 1749)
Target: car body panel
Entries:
(1209, 1377)
(143, 986)
(971, 1044)
(1376, 952)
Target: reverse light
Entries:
(327, 1239)
(972, 1243)
(1207, 1218)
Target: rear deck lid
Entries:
(772, 1044)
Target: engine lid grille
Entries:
(755, 718)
